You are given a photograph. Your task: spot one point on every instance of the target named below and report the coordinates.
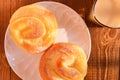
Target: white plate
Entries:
(71, 29)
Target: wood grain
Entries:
(104, 62)
(4, 19)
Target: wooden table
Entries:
(104, 62)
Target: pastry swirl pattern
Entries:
(33, 28)
(63, 61)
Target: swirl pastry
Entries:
(33, 28)
(63, 61)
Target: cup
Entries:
(106, 13)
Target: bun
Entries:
(33, 28)
(63, 61)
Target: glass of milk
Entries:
(106, 13)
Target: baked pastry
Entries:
(33, 28)
(63, 61)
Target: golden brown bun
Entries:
(33, 28)
(63, 61)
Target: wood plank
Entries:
(14, 76)
(4, 19)
(104, 60)
(92, 63)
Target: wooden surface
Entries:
(104, 62)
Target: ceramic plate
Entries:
(71, 28)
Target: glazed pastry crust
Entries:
(33, 28)
(63, 61)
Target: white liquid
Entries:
(108, 12)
